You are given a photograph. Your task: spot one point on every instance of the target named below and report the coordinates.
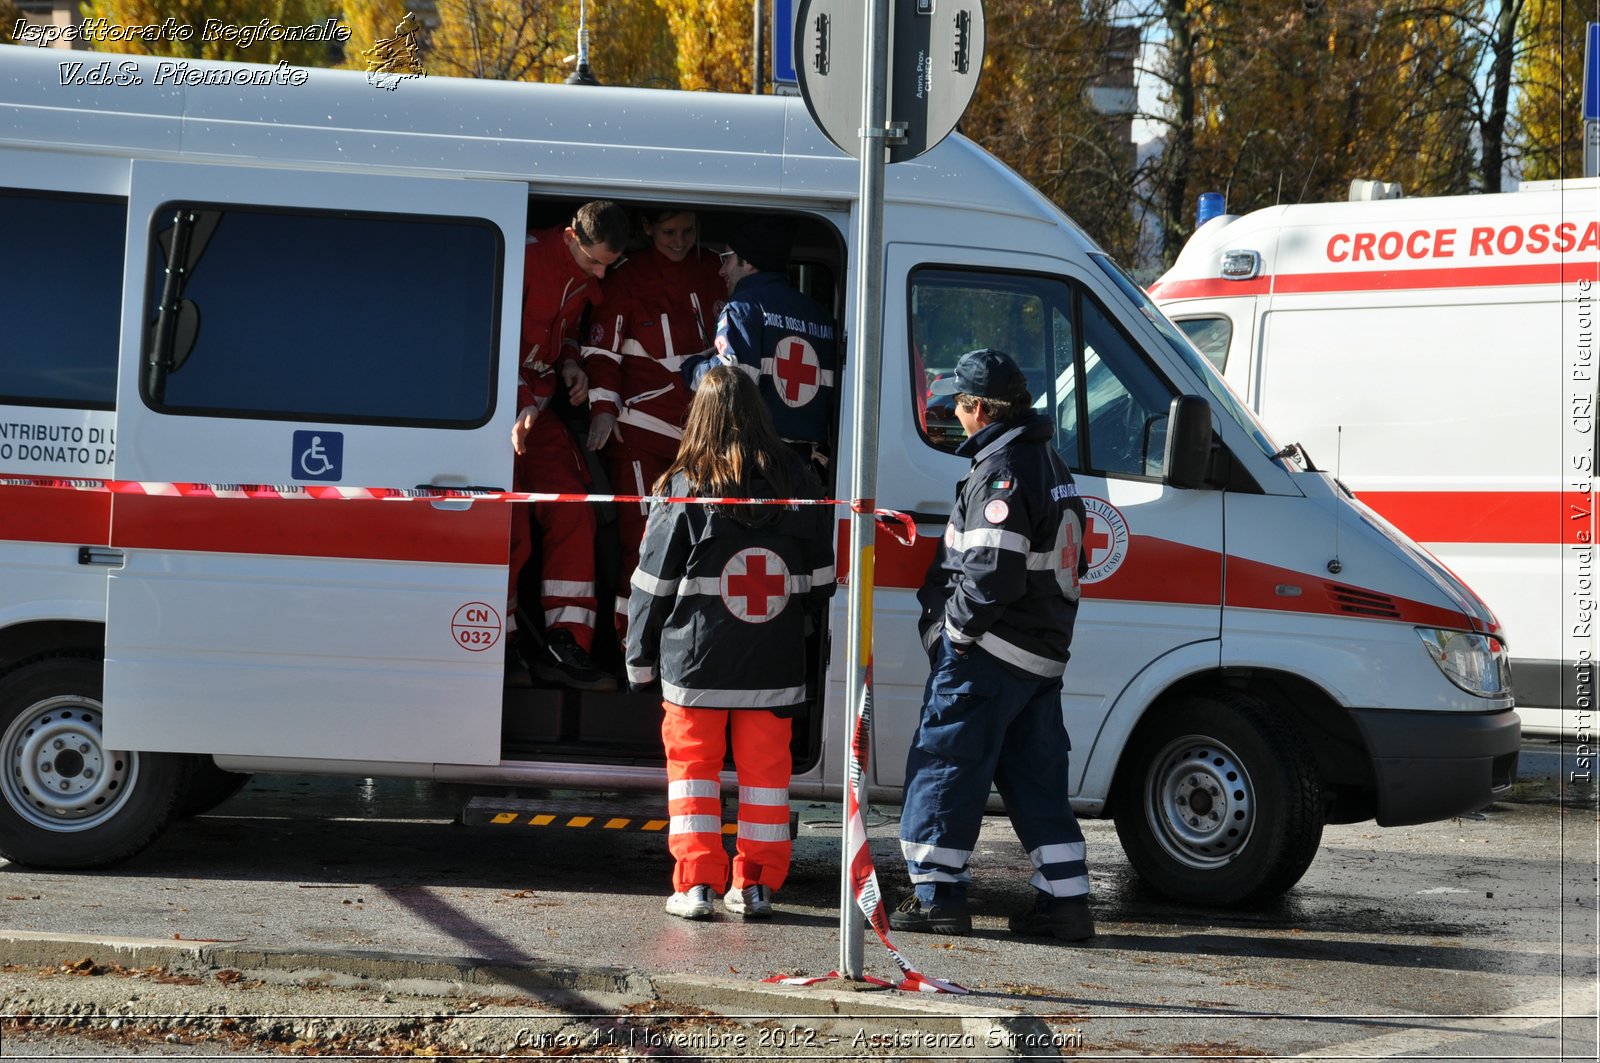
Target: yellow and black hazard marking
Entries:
(546, 819)
(645, 813)
(597, 813)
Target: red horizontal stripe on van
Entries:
(1156, 570)
(1159, 570)
(384, 531)
(1258, 585)
(1209, 286)
(1362, 280)
(1442, 277)
(49, 515)
(1164, 572)
(1541, 517)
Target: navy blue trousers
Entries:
(984, 725)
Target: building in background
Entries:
(57, 13)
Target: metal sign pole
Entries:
(866, 344)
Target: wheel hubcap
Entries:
(1200, 801)
(58, 773)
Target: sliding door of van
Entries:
(312, 330)
(1155, 553)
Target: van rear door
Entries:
(312, 330)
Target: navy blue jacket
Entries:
(720, 599)
(787, 343)
(1006, 576)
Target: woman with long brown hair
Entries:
(719, 617)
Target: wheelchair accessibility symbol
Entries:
(317, 456)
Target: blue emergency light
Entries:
(1211, 205)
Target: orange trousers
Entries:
(696, 741)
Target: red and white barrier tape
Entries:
(864, 877)
(901, 525)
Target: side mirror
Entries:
(1188, 457)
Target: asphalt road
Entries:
(1470, 938)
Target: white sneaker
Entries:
(752, 902)
(693, 903)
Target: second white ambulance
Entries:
(1438, 356)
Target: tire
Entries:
(209, 786)
(67, 802)
(1218, 801)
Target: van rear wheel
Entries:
(66, 801)
(1218, 801)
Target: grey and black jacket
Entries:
(721, 595)
(1006, 576)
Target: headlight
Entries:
(1475, 663)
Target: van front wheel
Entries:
(66, 801)
(1218, 801)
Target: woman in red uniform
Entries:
(722, 598)
(659, 309)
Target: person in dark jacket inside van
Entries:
(780, 336)
(718, 616)
(998, 606)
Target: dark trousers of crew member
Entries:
(984, 724)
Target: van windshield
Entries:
(1192, 358)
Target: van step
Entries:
(638, 813)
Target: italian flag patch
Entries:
(1000, 485)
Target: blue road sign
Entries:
(1591, 75)
(783, 71)
(317, 455)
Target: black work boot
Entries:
(1063, 918)
(949, 917)
(565, 662)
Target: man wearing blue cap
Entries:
(998, 606)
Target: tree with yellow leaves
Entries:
(1034, 108)
(228, 13)
(713, 40)
(1272, 103)
(1549, 118)
(523, 40)
(8, 21)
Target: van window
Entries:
(1081, 368)
(1211, 336)
(1185, 350)
(327, 316)
(61, 298)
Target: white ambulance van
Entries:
(209, 280)
(1436, 355)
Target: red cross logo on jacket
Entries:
(797, 371)
(755, 585)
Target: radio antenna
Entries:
(1336, 566)
(583, 75)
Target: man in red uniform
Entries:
(561, 275)
(659, 311)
